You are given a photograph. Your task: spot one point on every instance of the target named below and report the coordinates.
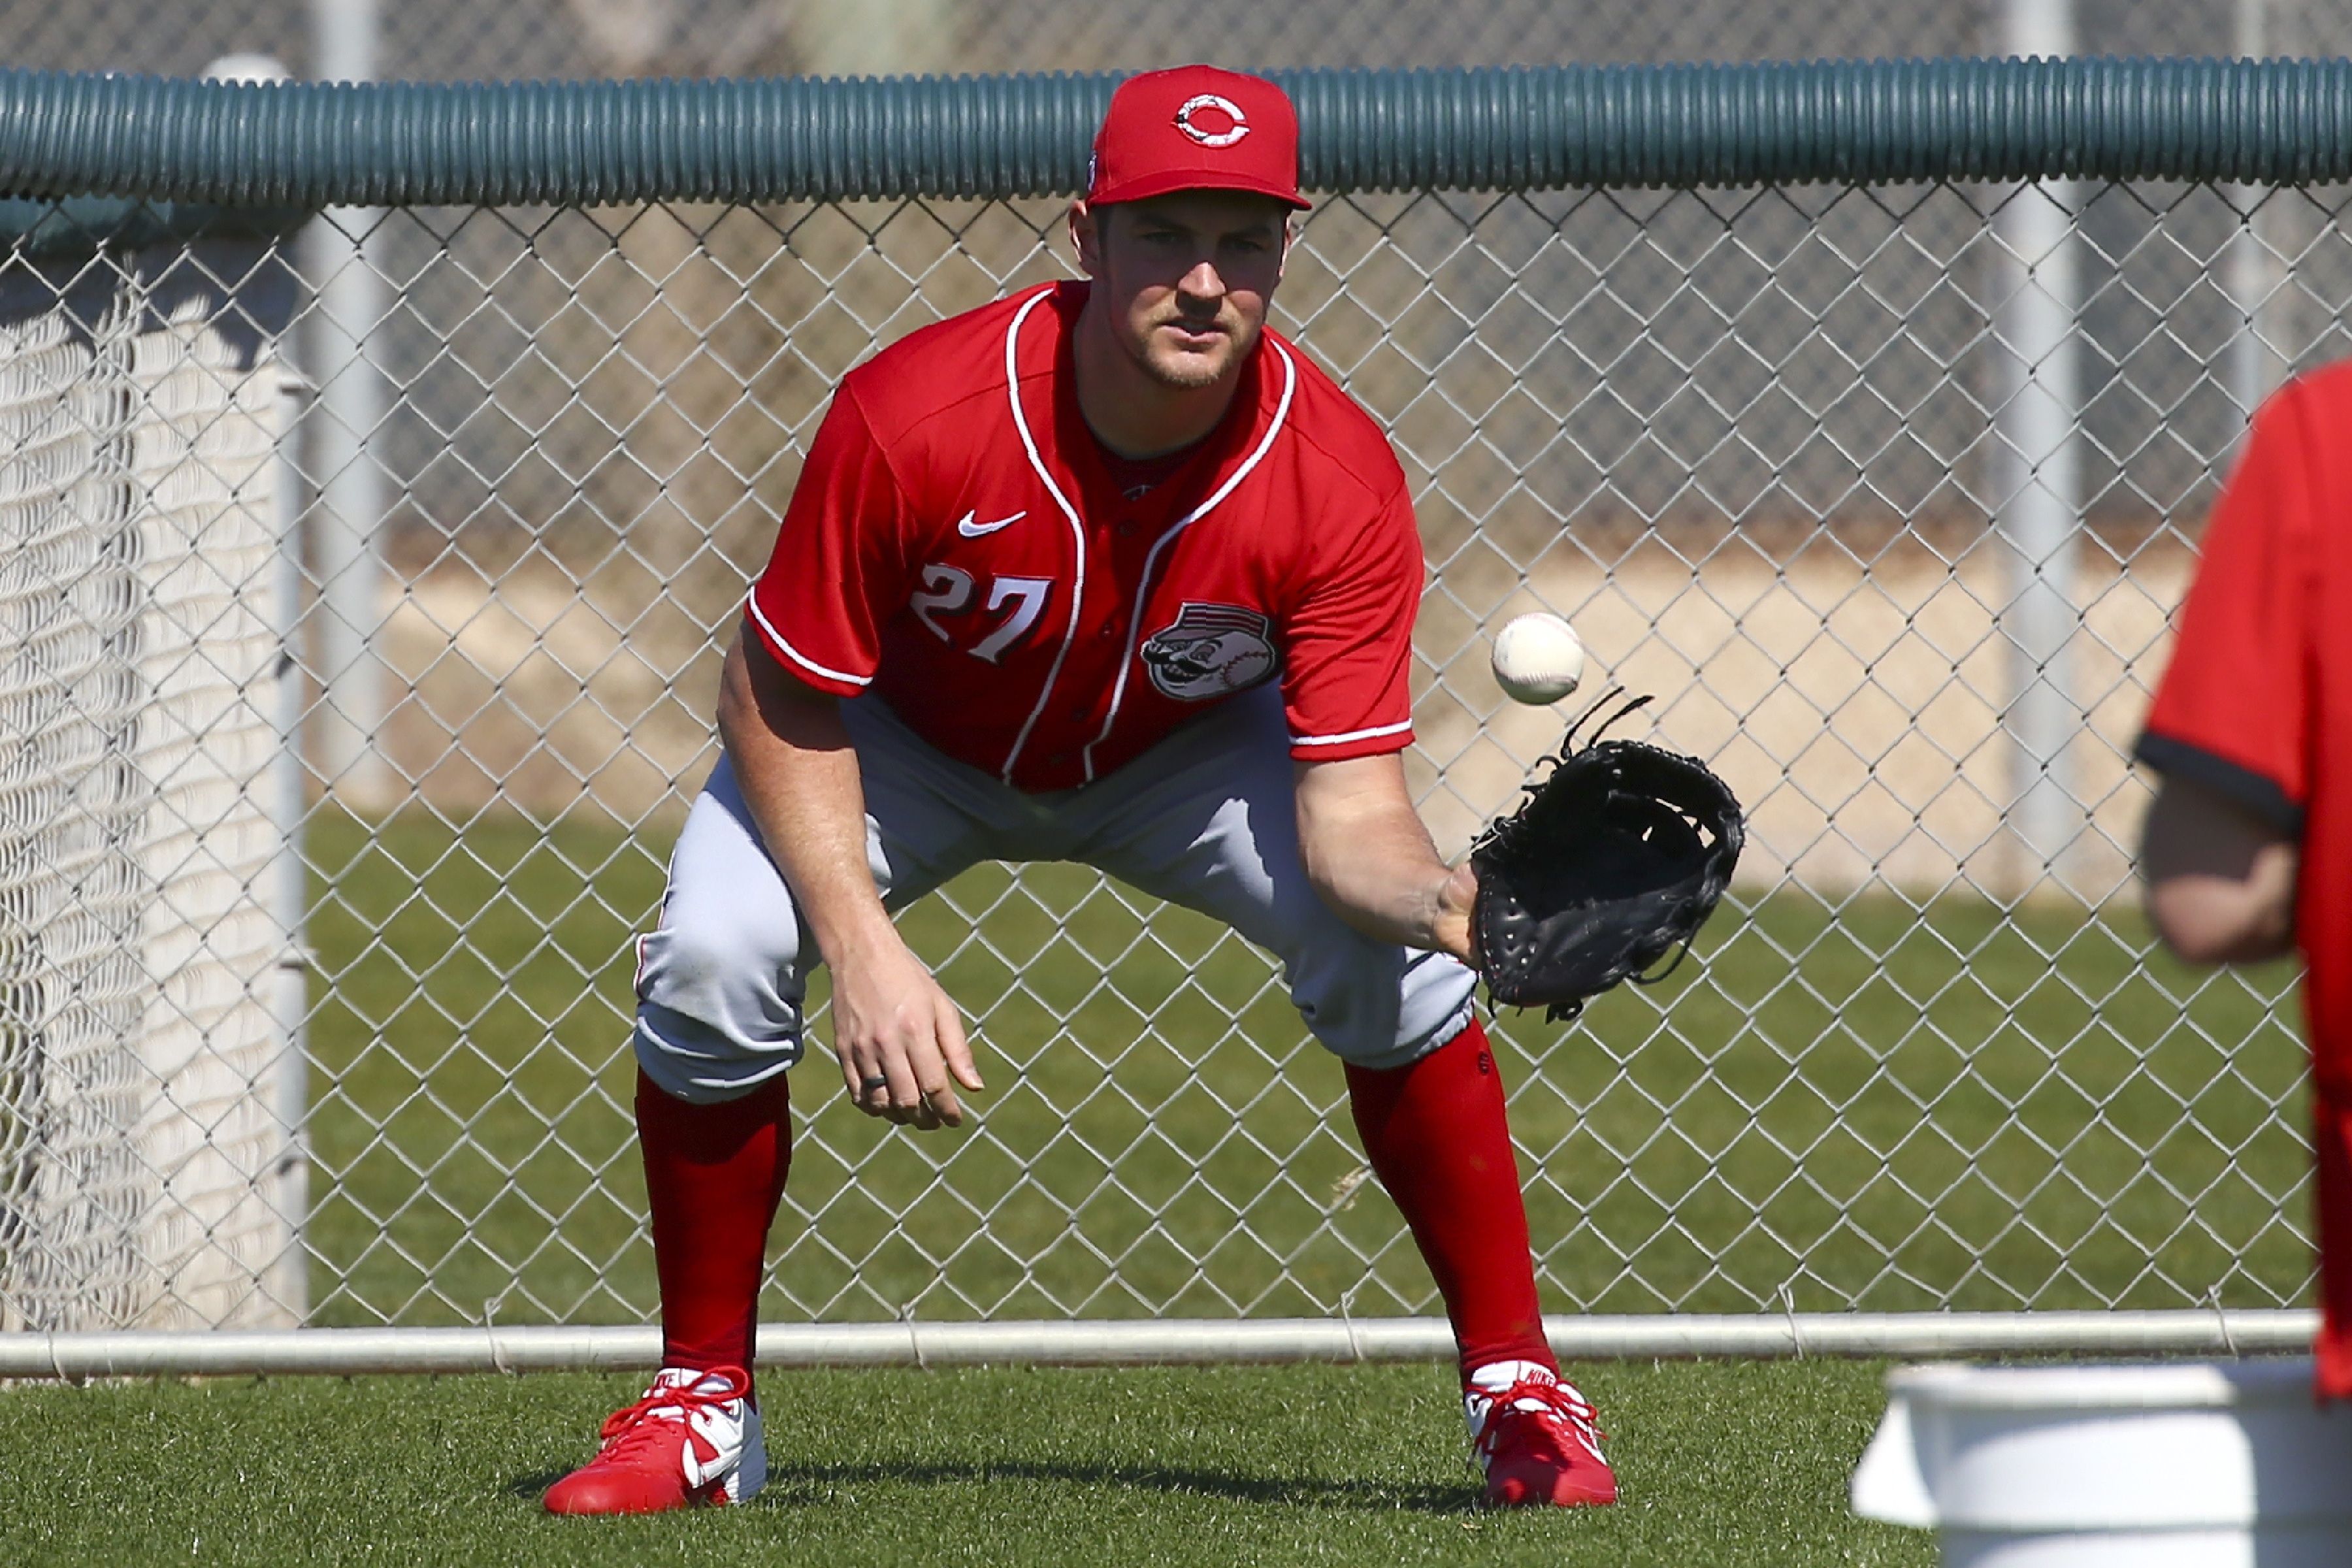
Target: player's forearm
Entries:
(2209, 919)
(1385, 886)
(2220, 881)
(799, 777)
(1371, 857)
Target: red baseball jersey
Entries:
(960, 544)
(2257, 706)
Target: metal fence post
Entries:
(2254, 273)
(352, 301)
(2036, 483)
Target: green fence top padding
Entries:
(247, 145)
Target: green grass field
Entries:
(1720, 1464)
(1877, 1106)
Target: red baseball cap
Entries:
(1196, 128)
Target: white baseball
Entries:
(1537, 659)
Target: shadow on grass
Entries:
(821, 1486)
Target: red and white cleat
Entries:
(1535, 1435)
(694, 1437)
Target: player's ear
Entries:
(1086, 237)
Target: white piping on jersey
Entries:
(1151, 560)
(1350, 735)
(796, 655)
(1078, 530)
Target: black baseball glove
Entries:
(1615, 858)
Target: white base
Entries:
(2162, 1466)
(2260, 1547)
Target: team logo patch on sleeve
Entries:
(1209, 650)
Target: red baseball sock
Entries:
(1437, 1139)
(714, 1175)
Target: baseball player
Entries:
(1103, 571)
(2251, 730)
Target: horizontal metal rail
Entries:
(297, 144)
(344, 1352)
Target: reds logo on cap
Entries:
(1195, 127)
(1212, 120)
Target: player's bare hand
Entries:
(899, 1040)
(1457, 897)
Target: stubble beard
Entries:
(1186, 372)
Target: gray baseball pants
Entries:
(1206, 819)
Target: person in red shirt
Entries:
(2251, 730)
(1104, 571)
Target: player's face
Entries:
(1186, 276)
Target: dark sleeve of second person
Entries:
(2232, 711)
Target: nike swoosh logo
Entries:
(972, 530)
(700, 1471)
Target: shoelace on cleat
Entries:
(1561, 1408)
(637, 1426)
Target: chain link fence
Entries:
(336, 1034)
(1762, 447)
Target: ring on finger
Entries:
(869, 1085)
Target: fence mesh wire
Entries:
(145, 1151)
(1758, 446)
